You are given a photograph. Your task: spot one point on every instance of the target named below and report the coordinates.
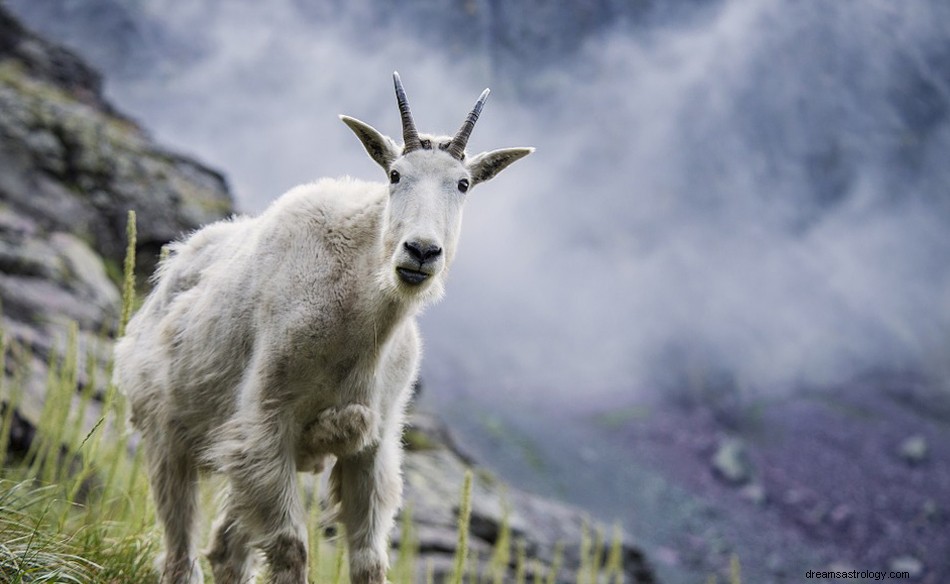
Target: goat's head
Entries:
(429, 178)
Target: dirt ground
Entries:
(824, 483)
(856, 476)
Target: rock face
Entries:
(71, 162)
(70, 169)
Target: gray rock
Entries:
(72, 163)
(754, 493)
(425, 431)
(909, 564)
(47, 62)
(40, 301)
(731, 462)
(914, 449)
(31, 258)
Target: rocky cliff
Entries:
(71, 167)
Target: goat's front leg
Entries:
(230, 553)
(368, 486)
(265, 500)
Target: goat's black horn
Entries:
(457, 147)
(410, 136)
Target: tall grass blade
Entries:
(128, 281)
(735, 573)
(596, 556)
(556, 562)
(582, 569)
(340, 560)
(465, 514)
(615, 557)
(520, 561)
(501, 555)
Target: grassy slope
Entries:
(76, 507)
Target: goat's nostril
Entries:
(413, 250)
(432, 253)
(422, 252)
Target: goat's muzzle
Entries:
(420, 257)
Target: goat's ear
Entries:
(486, 165)
(379, 147)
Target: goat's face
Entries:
(427, 189)
(429, 179)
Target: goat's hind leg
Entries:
(173, 475)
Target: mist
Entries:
(755, 196)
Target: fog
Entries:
(756, 197)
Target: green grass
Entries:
(76, 507)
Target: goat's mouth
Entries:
(412, 277)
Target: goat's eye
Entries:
(393, 176)
(463, 185)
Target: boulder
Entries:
(914, 449)
(731, 462)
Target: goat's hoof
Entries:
(370, 576)
(367, 567)
(344, 430)
(178, 570)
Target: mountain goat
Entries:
(270, 344)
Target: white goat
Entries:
(272, 343)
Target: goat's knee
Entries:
(343, 430)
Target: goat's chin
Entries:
(427, 291)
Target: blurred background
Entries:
(714, 305)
